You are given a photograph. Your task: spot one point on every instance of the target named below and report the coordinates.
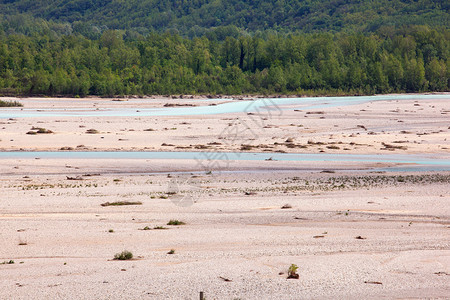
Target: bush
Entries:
(39, 130)
(175, 222)
(43, 130)
(92, 131)
(124, 255)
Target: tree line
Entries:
(116, 62)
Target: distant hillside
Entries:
(196, 16)
(131, 47)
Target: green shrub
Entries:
(124, 255)
(292, 272)
(175, 222)
(159, 227)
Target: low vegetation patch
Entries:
(393, 147)
(175, 222)
(119, 203)
(246, 147)
(124, 255)
(92, 131)
(160, 228)
(154, 228)
(333, 147)
(10, 104)
(39, 130)
(292, 272)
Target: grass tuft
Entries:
(175, 222)
(160, 227)
(119, 203)
(292, 272)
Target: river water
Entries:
(408, 162)
(421, 162)
(236, 106)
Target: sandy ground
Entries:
(410, 126)
(353, 235)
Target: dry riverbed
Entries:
(406, 126)
(353, 233)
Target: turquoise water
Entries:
(417, 161)
(274, 105)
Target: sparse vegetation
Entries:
(292, 272)
(92, 131)
(392, 147)
(172, 251)
(39, 130)
(333, 147)
(10, 262)
(119, 203)
(124, 255)
(4, 103)
(42, 130)
(246, 147)
(175, 222)
(160, 227)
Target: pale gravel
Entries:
(248, 239)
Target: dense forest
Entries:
(113, 47)
(195, 17)
(411, 60)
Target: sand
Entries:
(354, 234)
(413, 126)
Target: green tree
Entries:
(437, 75)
